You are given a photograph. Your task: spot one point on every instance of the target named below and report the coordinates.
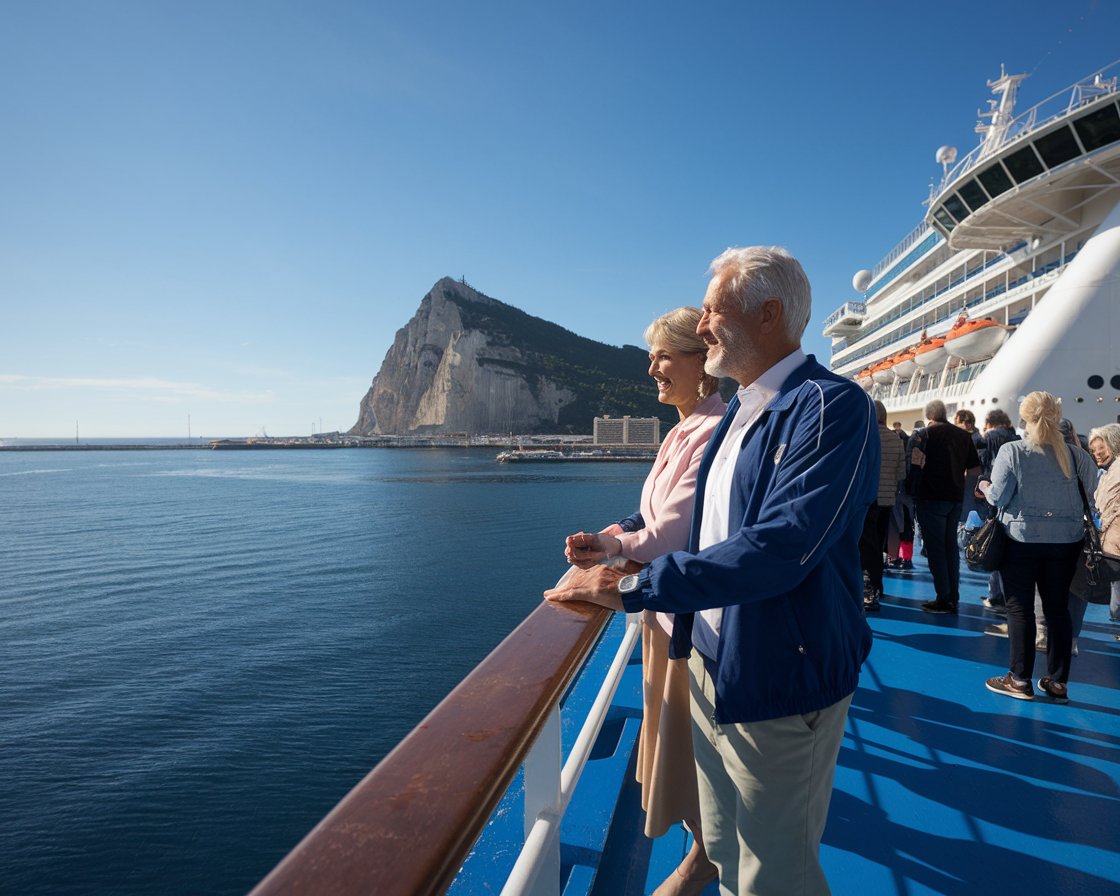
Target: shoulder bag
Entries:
(984, 550)
(1091, 575)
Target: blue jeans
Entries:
(938, 522)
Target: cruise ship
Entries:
(941, 787)
(1011, 282)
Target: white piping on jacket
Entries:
(855, 470)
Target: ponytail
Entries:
(1042, 414)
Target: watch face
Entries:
(628, 583)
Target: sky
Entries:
(215, 216)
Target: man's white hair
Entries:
(758, 273)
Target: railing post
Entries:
(542, 798)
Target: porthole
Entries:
(1079, 400)
(1115, 382)
(1095, 381)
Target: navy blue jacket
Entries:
(793, 635)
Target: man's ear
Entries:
(771, 315)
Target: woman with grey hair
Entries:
(1104, 445)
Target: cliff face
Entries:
(469, 363)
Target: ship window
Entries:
(956, 208)
(1023, 164)
(995, 180)
(1099, 128)
(1115, 382)
(972, 194)
(943, 219)
(1058, 147)
(1095, 382)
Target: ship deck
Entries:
(942, 786)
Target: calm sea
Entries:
(202, 651)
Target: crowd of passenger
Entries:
(943, 480)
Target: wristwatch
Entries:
(627, 584)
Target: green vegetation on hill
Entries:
(606, 379)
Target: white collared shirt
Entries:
(715, 525)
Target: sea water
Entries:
(201, 652)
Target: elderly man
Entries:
(769, 596)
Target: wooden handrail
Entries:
(407, 827)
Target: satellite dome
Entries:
(861, 281)
(946, 155)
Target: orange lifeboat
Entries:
(930, 353)
(883, 372)
(975, 340)
(864, 378)
(904, 365)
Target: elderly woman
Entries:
(1035, 489)
(666, 768)
(1104, 445)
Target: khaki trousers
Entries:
(764, 793)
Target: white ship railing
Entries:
(549, 789)
(898, 251)
(408, 826)
(1103, 83)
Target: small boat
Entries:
(904, 364)
(864, 378)
(975, 340)
(883, 372)
(930, 354)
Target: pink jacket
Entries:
(670, 487)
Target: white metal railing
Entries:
(549, 788)
(898, 251)
(1038, 116)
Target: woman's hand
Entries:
(585, 550)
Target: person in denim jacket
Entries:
(1035, 489)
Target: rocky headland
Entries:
(467, 363)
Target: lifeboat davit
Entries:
(975, 340)
(883, 372)
(904, 365)
(864, 378)
(930, 354)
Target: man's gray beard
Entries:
(730, 347)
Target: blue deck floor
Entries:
(945, 787)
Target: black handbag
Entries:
(984, 550)
(1092, 576)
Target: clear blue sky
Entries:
(227, 209)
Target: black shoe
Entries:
(871, 601)
(907, 566)
(936, 606)
(1055, 690)
(1005, 684)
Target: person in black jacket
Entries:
(943, 456)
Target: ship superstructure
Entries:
(1011, 283)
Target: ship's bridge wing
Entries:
(1035, 184)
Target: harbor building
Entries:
(627, 431)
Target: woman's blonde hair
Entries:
(677, 332)
(1041, 413)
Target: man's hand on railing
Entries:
(597, 585)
